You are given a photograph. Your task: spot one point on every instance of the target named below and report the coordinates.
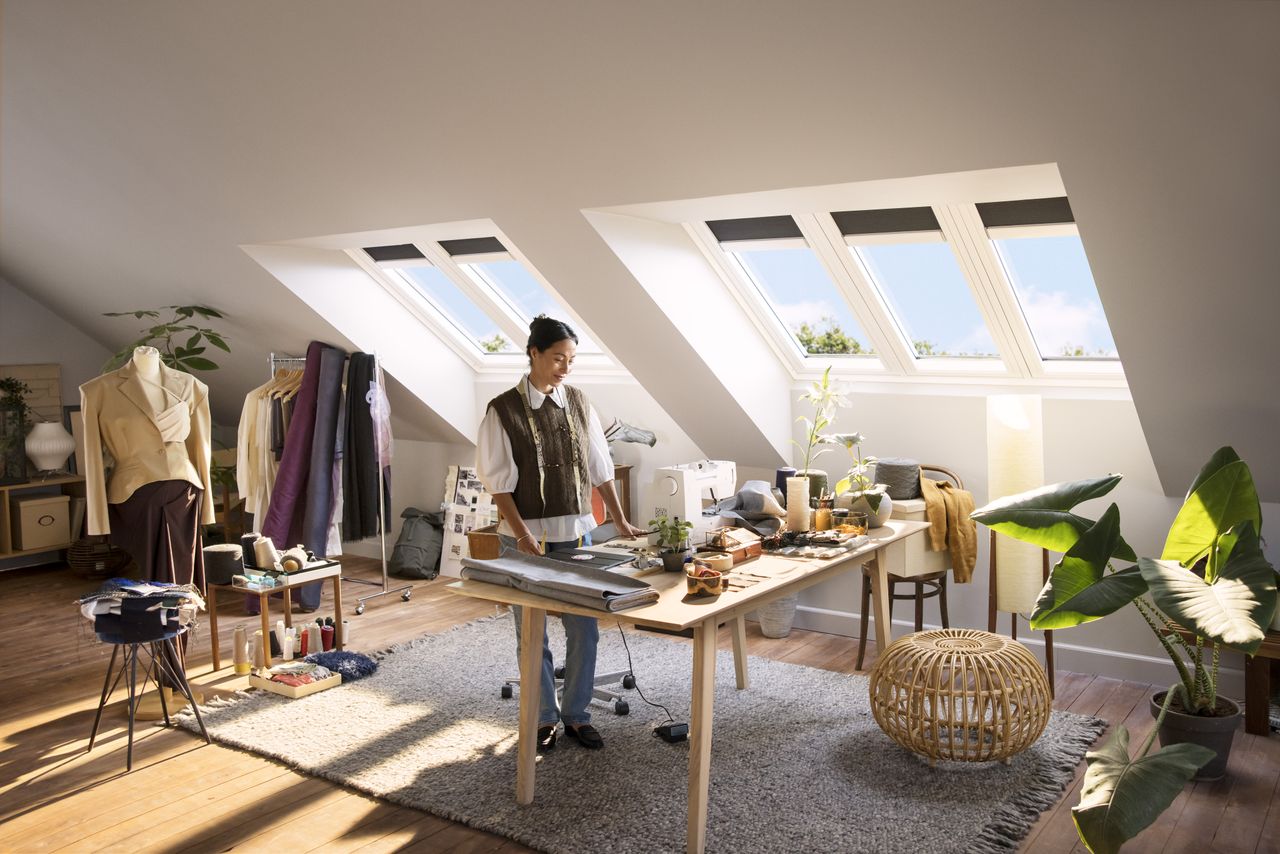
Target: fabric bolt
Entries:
(947, 510)
(319, 496)
(159, 526)
(360, 493)
(582, 636)
(496, 468)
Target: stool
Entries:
(164, 660)
(926, 587)
(960, 694)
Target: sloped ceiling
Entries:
(141, 143)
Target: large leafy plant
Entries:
(1211, 581)
(181, 339)
(825, 397)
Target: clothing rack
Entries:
(405, 591)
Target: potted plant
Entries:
(15, 420)
(673, 541)
(856, 490)
(186, 353)
(1211, 581)
(824, 397)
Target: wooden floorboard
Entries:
(54, 796)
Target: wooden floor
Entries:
(184, 795)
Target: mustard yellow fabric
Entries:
(947, 510)
(145, 443)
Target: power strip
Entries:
(672, 733)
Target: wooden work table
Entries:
(675, 611)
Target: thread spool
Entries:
(326, 637)
(303, 638)
(264, 552)
(259, 653)
(294, 559)
(247, 545)
(240, 650)
(781, 476)
(288, 645)
(313, 639)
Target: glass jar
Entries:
(822, 518)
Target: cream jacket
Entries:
(145, 444)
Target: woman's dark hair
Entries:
(545, 331)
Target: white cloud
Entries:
(1058, 323)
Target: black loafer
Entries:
(546, 738)
(586, 735)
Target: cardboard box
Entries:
(41, 522)
(912, 557)
(293, 693)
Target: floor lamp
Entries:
(1015, 463)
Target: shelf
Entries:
(40, 551)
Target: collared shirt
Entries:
(496, 467)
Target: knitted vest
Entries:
(556, 496)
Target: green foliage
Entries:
(180, 339)
(831, 340)
(673, 534)
(13, 392)
(1122, 795)
(856, 477)
(1078, 351)
(825, 397)
(1212, 580)
(496, 344)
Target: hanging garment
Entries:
(362, 451)
(159, 526)
(147, 443)
(319, 497)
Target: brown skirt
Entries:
(159, 526)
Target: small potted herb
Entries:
(673, 541)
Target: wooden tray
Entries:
(291, 691)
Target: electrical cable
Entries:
(631, 669)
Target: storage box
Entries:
(911, 557)
(738, 543)
(41, 522)
(292, 692)
(483, 543)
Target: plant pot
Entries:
(674, 561)
(1214, 733)
(817, 481)
(858, 501)
(777, 616)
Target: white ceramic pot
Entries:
(49, 445)
(858, 501)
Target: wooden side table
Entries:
(330, 569)
(1257, 685)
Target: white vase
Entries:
(49, 445)
(858, 501)
(797, 504)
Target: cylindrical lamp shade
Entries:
(1015, 463)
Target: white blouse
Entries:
(497, 469)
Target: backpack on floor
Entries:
(417, 550)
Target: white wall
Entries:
(32, 334)
(1083, 438)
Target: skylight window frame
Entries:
(723, 257)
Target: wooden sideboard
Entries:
(66, 484)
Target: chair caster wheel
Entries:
(559, 672)
(621, 708)
(360, 609)
(628, 681)
(405, 595)
(506, 692)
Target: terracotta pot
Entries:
(1214, 733)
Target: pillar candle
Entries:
(797, 504)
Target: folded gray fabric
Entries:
(586, 586)
(755, 506)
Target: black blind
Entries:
(472, 246)
(886, 221)
(399, 252)
(754, 228)
(1025, 212)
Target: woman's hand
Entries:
(626, 529)
(528, 545)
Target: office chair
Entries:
(926, 586)
(615, 701)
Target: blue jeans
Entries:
(582, 636)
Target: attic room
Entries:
(908, 425)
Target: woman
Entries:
(540, 451)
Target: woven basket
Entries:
(483, 543)
(960, 694)
(94, 559)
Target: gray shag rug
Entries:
(798, 763)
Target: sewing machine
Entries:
(679, 490)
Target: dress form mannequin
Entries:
(146, 363)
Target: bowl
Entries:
(702, 580)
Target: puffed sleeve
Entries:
(494, 463)
(599, 464)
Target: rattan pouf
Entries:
(960, 694)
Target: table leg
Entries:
(704, 690)
(1257, 695)
(880, 605)
(288, 609)
(266, 628)
(532, 625)
(739, 628)
(213, 627)
(338, 639)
